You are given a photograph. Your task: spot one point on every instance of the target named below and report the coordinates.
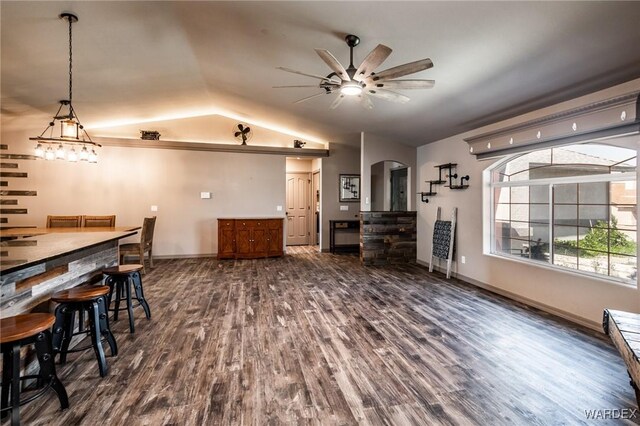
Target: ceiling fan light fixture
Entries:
(351, 88)
(364, 79)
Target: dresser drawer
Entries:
(226, 223)
(249, 223)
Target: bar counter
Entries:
(35, 267)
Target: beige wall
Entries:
(374, 149)
(577, 297)
(343, 159)
(294, 165)
(211, 128)
(378, 188)
(128, 181)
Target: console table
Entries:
(350, 226)
(249, 238)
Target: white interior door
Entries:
(298, 208)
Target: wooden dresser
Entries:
(249, 238)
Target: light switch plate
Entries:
(344, 208)
(154, 208)
(205, 195)
(279, 208)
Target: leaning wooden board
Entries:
(624, 330)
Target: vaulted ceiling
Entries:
(141, 61)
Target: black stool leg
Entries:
(94, 327)
(15, 384)
(109, 281)
(7, 368)
(69, 323)
(45, 354)
(57, 332)
(81, 320)
(137, 284)
(127, 290)
(116, 310)
(104, 325)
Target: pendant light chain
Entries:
(70, 61)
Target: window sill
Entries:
(555, 268)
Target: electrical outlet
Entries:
(205, 195)
(463, 259)
(154, 208)
(279, 208)
(344, 208)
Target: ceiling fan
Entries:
(363, 81)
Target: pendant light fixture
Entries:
(72, 132)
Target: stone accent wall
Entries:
(387, 237)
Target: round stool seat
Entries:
(16, 333)
(123, 269)
(80, 294)
(22, 326)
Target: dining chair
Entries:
(99, 221)
(64, 221)
(145, 244)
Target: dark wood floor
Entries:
(317, 339)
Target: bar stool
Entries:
(120, 279)
(16, 332)
(93, 300)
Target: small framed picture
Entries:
(349, 188)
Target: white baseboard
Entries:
(184, 256)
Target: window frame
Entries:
(549, 183)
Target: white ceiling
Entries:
(136, 61)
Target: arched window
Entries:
(573, 207)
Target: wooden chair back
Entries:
(99, 221)
(146, 236)
(64, 221)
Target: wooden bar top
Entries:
(31, 232)
(25, 252)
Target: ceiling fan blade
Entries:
(236, 134)
(333, 63)
(303, 73)
(246, 130)
(240, 127)
(337, 102)
(292, 87)
(373, 60)
(388, 95)
(402, 70)
(310, 97)
(365, 101)
(404, 84)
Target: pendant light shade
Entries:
(71, 130)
